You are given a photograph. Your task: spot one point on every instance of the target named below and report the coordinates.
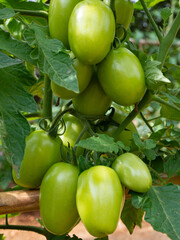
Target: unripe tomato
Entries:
(91, 31)
(58, 198)
(41, 152)
(123, 11)
(122, 77)
(74, 127)
(99, 198)
(133, 172)
(93, 101)
(126, 135)
(84, 74)
(59, 13)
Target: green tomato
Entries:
(133, 172)
(123, 11)
(93, 102)
(122, 77)
(91, 31)
(59, 14)
(58, 198)
(74, 127)
(84, 74)
(41, 152)
(125, 136)
(99, 199)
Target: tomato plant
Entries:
(41, 152)
(84, 74)
(93, 101)
(59, 14)
(99, 199)
(91, 44)
(122, 77)
(133, 172)
(58, 198)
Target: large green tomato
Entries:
(84, 74)
(126, 135)
(58, 198)
(133, 172)
(59, 14)
(123, 11)
(93, 101)
(122, 77)
(99, 198)
(91, 31)
(41, 152)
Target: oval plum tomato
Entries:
(59, 13)
(91, 31)
(126, 135)
(41, 152)
(99, 199)
(122, 77)
(93, 102)
(133, 172)
(84, 73)
(74, 127)
(123, 11)
(58, 198)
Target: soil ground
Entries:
(121, 233)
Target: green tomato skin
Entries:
(84, 74)
(58, 198)
(133, 172)
(126, 135)
(59, 14)
(122, 77)
(99, 199)
(41, 152)
(91, 31)
(123, 11)
(93, 101)
(74, 127)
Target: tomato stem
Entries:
(34, 13)
(160, 100)
(47, 100)
(146, 122)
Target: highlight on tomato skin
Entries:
(133, 172)
(99, 199)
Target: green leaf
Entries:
(14, 127)
(154, 77)
(6, 13)
(5, 173)
(138, 141)
(150, 143)
(23, 4)
(172, 98)
(170, 113)
(101, 143)
(6, 61)
(150, 154)
(173, 71)
(166, 13)
(158, 135)
(52, 57)
(2, 237)
(19, 49)
(172, 165)
(131, 216)
(149, 3)
(161, 205)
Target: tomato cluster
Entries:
(96, 195)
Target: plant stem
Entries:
(146, 100)
(47, 100)
(160, 100)
(157, 174)
(154, 25)
(27, 228)
(32, 115)
(168, 40)
(146, 122)
(34, 13)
